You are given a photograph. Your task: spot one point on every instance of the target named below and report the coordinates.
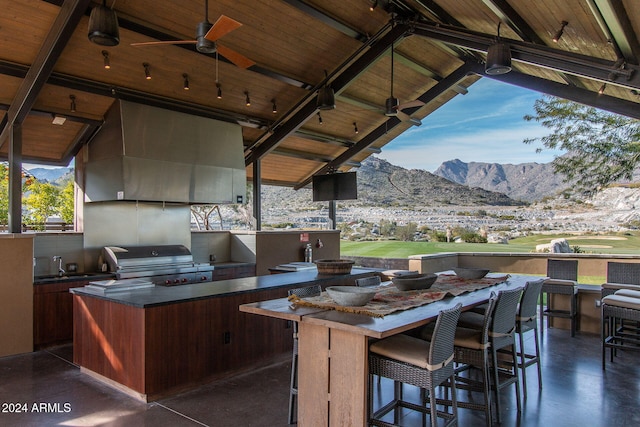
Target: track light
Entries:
(147, 72)
(319, 118)
(560, 31)
(72, 107)
(185, 81)
(602, 89)
(498, 57)
(355, 128)
(103, 26)
(374, 4)
(219, 90)
(274, 108)
(326, 98)
(107, 62)
(247, 100)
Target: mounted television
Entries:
(335, 186)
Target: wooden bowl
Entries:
(413, 282)
(471, 273)
(350, 295)
(334, 266)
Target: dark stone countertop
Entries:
(71, 277)
(163, 295)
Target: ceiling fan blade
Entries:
(163, 42)
(410, 104)
(237, 58)
(404, 117)
(222, 26)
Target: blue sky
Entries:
(485, 125)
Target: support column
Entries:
(15, 179)
(257, 198)
(332, 214)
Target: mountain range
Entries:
(383, 184)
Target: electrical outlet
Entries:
(598, 303)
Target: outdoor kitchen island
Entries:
(157, 341)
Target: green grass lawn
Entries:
(597, 244)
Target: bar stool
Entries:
(563, 276)
(308, 291)
(478, 340)
(425, 364)
(527, 320)
(620, 306)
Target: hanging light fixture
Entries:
(72, 107)
(326, 98)
(274, 107)
(147, 72)
(185, 81)
(107, 62)
(355, 128)
(219, 90)
(319, 118)
(374, 4)
(602, 89)
(560, 31)
(103, 26)
(247, 100)
(498, 57)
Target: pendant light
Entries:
(498, 57)
(103, 26)
(326, 98)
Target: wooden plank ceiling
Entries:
(439, 46)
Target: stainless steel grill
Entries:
(166, 265)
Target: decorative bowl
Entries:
(350, 295)
(471, 273)
(413, 282)
(334, 266)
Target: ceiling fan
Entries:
(207, 35)
(393, 108)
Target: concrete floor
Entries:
(51, 391)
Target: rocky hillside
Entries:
(382, 184)
(525, 181)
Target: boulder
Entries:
(556, 246)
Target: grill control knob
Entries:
(167, 282)
(176, 281)
(184, 280)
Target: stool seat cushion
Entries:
(403, 348)
(469, 338)
(560, 282)
(622, 301)
(628, 293)
(620, 286)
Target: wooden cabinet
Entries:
(53, 313)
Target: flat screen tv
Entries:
(335, 186)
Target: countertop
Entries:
(163, 295)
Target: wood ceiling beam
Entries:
(328, 20)
(54, 43)
(441, 87)
(618, 27)
(66, 115)
(308, 107)
(104, 89)
(598, 69)
(308, 156)
(582, 96)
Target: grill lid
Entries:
(121, 258)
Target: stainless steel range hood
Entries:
(145, 153)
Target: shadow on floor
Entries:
(45, 389)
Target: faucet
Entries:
(61, 271)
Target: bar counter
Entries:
(333, 351)
(158, 341)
